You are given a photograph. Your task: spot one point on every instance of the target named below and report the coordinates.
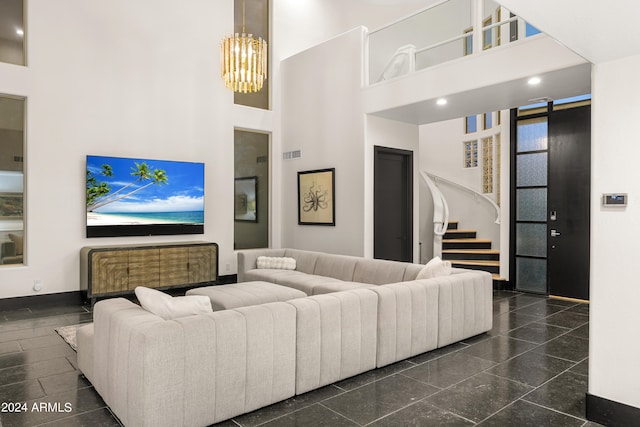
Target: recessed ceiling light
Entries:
(441, 101)
(20, 32)
(534, 80)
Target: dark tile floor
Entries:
(529, 370)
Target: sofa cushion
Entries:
(378, 271)
(407, 320)
(272, 262)
(465, 305)
(435, 268)
(307, 283)
(224, 297)
(169, 307)
(336, 266)
(336, 337)
(305, 260)
(339, 285)
(411, 272)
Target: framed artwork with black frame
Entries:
(316, 197)
(246, 199)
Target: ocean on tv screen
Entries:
(128, 191)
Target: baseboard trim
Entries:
(73, 297)
(611, 413)
(45, 300)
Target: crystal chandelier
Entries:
(244, 61)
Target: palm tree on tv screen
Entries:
(99, 193)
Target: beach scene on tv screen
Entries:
(125, 191)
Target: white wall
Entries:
(119, 78)
(614, 312)
(322, 116)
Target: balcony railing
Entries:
(440, 33)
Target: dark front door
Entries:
(393, 204)
(568, 202)
(551, 200)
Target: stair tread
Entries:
(471, 251)
(497, 277)
(475, 262)
(462, 230)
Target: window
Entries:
(487, 120)
(487, 165)
(12, 32)
(471, 124)
(470, 156)
(487, 35)
(12, 208)
(468, 42)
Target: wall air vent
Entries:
(291, 155)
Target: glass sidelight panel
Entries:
(531, 274)
(12, 196)
(532, 134)
(531, 204)
(531, 170)
(531, 239)
(531, 180)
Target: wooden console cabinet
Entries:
(117, 270)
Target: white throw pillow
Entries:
(435, 268)
(278, 263)
(169, 307)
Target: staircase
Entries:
(465, 250)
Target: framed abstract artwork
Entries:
(316, 197)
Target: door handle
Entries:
(554, 233)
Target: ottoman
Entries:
(247, 293)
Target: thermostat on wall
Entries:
(614, 199)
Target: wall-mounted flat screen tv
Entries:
(143, 197)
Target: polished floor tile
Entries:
(541, 309)
(314, 415)
(366, 404)
(422, 414)
(566, 347)
(448, 370)
(565, 393)
(526, 414)
(538, 332)
(499, 349)
(566, 319)
(290, 405)
(530, 369)
(470, 398)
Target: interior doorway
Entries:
(550, 208)
(393, 204)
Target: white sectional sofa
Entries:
(206, 368)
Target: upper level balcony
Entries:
(476, 53)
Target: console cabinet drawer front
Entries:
(202, 264)
(109, 272)
(144, 268)
(174, 266)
